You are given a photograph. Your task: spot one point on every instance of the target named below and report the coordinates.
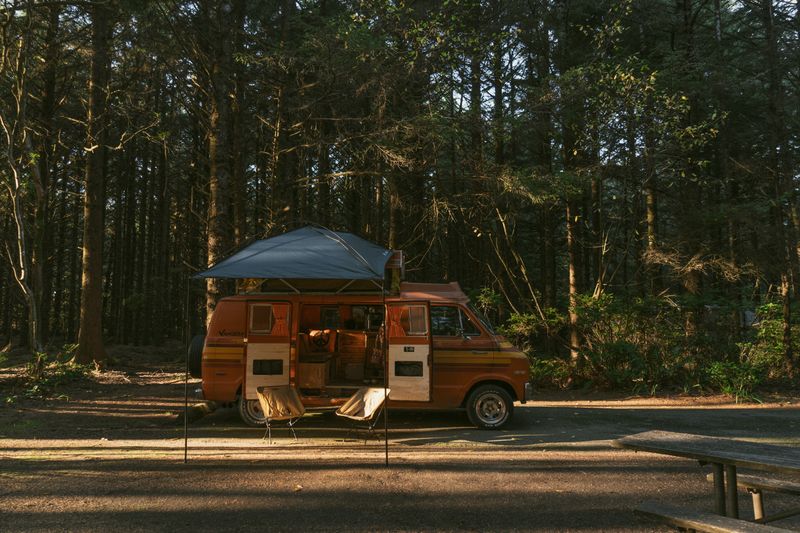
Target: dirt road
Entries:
(110, 458)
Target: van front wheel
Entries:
(250, 412)
(490, 407)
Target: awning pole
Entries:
(385, 371)
(186, 385)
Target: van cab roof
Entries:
(450, 292)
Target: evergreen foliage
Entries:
(616, 181)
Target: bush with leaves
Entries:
(46, 373)
(764, 348)
(642, 345)
(636, 344)
(737, 379)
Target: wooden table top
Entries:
(757, 456)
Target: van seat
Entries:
(315, 335)
(303, 347)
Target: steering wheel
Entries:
(321, 339)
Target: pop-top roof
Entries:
(306, 253)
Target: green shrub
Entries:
(765, 348)
(549, 372)
(737, 379)
(642, 345)
(47, 372)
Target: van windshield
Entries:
(480, 316)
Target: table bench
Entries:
(756, 485)
(702, 521)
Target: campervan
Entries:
(438, 350)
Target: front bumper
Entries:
(528, 392)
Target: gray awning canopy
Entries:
(305, 253)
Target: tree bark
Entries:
(220, 239)
(574, 337)
(23, 261)
(238, 141)
(90, 333)
(780, 154)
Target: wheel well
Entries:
(508, 388)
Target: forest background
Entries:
(614, 182)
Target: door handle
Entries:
(479, 352)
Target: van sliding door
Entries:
(409, 351)
(268, 350)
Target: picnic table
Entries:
(724, 455)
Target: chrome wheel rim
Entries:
(253, 410)
(491, 409)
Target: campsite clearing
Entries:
(108, 456)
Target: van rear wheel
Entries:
(250, 412)
(490, 407)
(195, 356)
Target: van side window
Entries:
(261, 318)
(413, 320)
(445, 321)
(467, 325)
(451, 321)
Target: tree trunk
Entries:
(788, 352)
(90, 334)
(780, 162)
(574, 337)
(219, 149)
(43, 239)
(238, 141)
(497, 82)
(74, 278)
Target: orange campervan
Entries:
(328, 342)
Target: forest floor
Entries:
(105, 453)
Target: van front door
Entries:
(409, 351)
(268, 347)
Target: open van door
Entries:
(409, 351)
(267, 346)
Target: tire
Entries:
(196, 356)
(250, 412)
(490, 407)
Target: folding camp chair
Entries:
(364, 407)
(280, 403)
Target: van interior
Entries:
(340, 348)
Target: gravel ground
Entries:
(108, 456)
